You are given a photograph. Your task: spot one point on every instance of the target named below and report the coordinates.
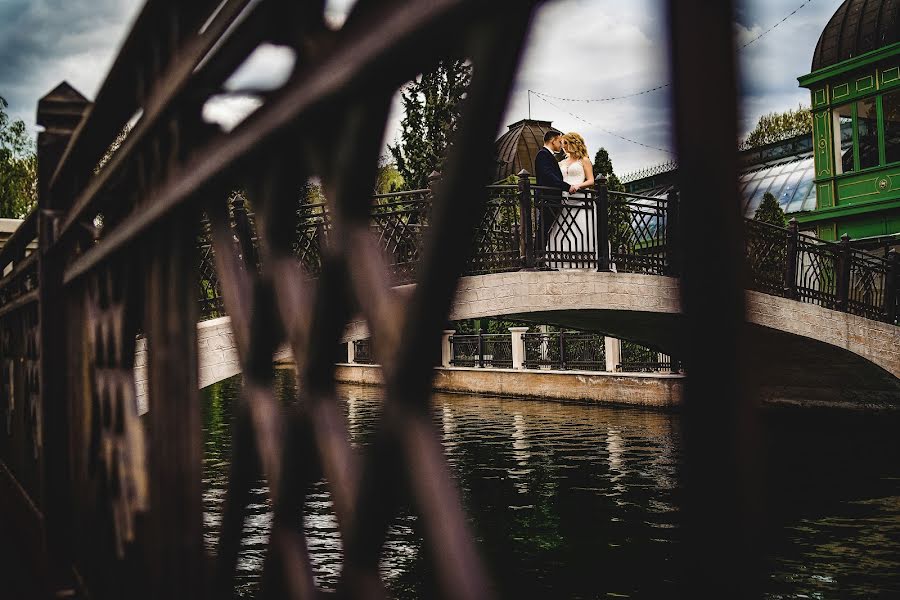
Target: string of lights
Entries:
(607, 131)
(665, 85)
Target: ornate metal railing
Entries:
(784, 262)
(636, 358)
(565, 350)
(481, 350)
(563, 232)
(362, 352)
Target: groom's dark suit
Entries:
(548, 174)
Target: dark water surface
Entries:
(571, 501)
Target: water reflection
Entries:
(576, 501)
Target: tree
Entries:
(619, 218)
(388, 178)
(603, 166)
(770, 212)
(775, 127)
(431, 105)
(18, 167)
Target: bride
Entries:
(571, 237)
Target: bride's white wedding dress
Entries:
(572, 231)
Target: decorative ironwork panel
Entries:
(566, 231)
(637, 234)
(568, 350)
(766, 251)
(868, 278)
(362, 351)
(817, 268)
(496, 239)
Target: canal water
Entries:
(572, 501)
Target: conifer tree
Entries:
(431, 105)
(770, 212)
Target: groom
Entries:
(549, 175)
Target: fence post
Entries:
(447, 348)
(562, 349)
(843, 279)
(601, 217)
(59, 112)
(673, 245)
(480, 349)
(890, 286)
(790, 275)
(526, 236)
(518, 346)
(243, 231)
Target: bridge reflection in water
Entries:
(558, 493)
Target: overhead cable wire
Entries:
(665, 85)
(607, 131)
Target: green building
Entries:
(855, 97)
(845, 178)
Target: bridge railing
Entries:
(529, 227)
(784, 262)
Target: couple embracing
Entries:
(566, 214)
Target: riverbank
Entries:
(657, 390)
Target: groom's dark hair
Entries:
(551, 133)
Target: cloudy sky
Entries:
(578, 49)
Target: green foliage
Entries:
(388, 179)
(18, 167)
(619, 221)
(431, 105)
(775, 127)
(603, 166)
(770, 212)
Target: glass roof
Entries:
(791, 183)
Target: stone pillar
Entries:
(613, 351)
(351, 352)
(446, 350)
(518, 347)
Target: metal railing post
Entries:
(562, 350)
(672, 248)
(526, 231)
(601, 217)
(790, 274)
(243, 231)
(843, 279)
(890, 286)
(480, 349)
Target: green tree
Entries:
(619, 221)
(770, 212)
(775, 127)
(431, 105)
(18, 167)
(388, 178)
(603, 166)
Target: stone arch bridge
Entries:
(807, 353)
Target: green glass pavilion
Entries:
(855, 91)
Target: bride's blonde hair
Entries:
(577, 147)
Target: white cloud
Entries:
(578, 48)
